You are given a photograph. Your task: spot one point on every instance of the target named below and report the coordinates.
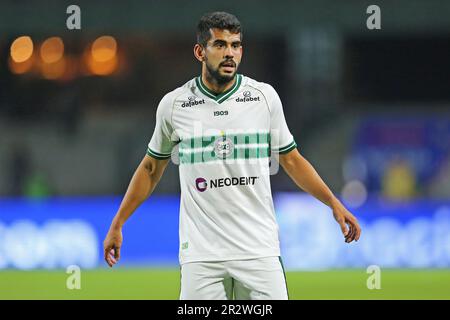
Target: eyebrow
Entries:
(218, 41)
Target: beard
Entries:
(220, 79)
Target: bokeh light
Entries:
(21, 49)
(101, 68)
(52, 71)
(20, 67)
(104, 49)
(354, 168)
(102, 57)
(52, 50)
(354, 194)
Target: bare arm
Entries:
(306, 178)
(142, 184)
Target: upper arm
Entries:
(153, 165)
(288, 159)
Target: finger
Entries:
(358, 232)
(108, 261)
(112, 256)
(355, 228)
(109, 258)
(106, 252)
(117, 253)
(349, 234)
(112, 261)
(344, 228)
(352, 232)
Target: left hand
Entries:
(349, 224)
(112, 244)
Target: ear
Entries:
(199, 52)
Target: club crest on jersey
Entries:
(223, 147)
(247, 97)
(192, 102)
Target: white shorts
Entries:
(253, 279)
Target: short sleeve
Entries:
(163, 139)
(281, 139)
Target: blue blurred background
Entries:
(59, 232)
(369, 108)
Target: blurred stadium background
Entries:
(369, 108)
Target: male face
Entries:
(222, 55)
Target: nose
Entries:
(229, 52)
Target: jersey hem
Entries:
(228, 257)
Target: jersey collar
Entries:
(221, 97)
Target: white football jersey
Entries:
(223, 145)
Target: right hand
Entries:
(111, 245)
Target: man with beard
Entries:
(226, 127)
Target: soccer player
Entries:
(225, 127)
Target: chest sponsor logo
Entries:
(201, 184)
(247, 97)
(192, 101)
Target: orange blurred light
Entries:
(52, 71)
(52, 50)
(104, 49)
(102, 68)
(20, 67)
(21, 49)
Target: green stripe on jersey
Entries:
(238, 139)
(221, 97)
(157, 155)
(233, 146)
(286, 149)
(207, 156)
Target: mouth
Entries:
(228, 66)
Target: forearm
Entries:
(141, 186)
(306, 177)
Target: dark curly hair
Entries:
(219, 20)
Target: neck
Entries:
(213, 85)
